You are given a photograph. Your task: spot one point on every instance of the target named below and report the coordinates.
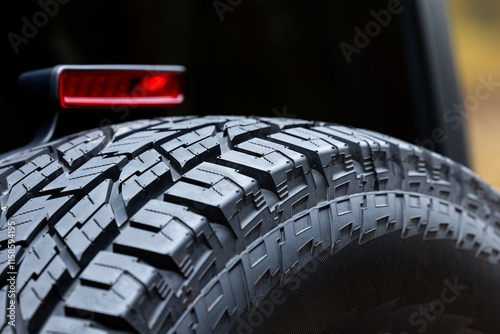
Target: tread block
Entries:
(192, 148)
(442, 221)
(204, 150)
(306, 231)
(33, 216)
(346, 221)
(159, 249)
(156, 214)
(84, 209)
(216, 306)
(36, 260)
(106, 268)
(472, 232)
(97, 231)
(27, 180)
(188, 139)
(64, 325)
(39, 294)
(407, 162)
(363, 151)
(136, 143)
(219, 300)
(221, 200)
(24, 157)
(78, 150)
(359, 147)
(490, 247)
(272, 169)
(329, 156)
(168, 236)
(320, 152)
(168, 248)
(383, 218)
(415, 222)
(3, 180)
(139, 164)
(36, 164)
(141, 186)
(263, 148)
(372, 152)
(121, 292)
(476, 197)
(243, 129)
(441, 170)
(89, 175)
(297, 178)
(209, 174)
(30, 185)
(267, 269)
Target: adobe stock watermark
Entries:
(363, 36)
(222, 6)
(455, 116)
(31, 27)
(277, 297)
(284, 113)
(11, 274)
(429, 313)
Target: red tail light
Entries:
(106, 86)
(103, 87)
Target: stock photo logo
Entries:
(371, 30)
(31, 26)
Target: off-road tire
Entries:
(191, 225)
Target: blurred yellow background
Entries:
(476, 37)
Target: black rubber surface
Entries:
(389, 285)
(179, 225)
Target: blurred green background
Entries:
(476, 36)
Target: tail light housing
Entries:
(109, 86)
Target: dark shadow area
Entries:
(280, 58)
